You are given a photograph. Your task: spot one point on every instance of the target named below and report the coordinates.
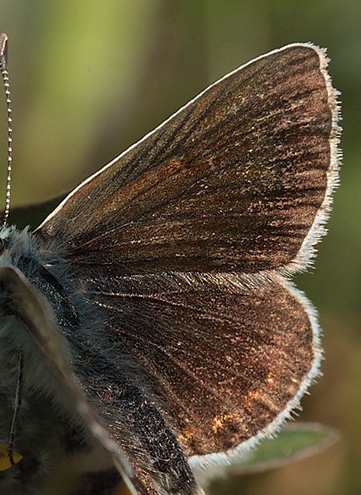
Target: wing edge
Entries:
(308, 251)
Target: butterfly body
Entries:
(59, 431)
(152, 309)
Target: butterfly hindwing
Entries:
(227, 361)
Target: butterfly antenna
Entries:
(5, 76)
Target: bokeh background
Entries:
(91, 77)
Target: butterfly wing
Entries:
(234, 181)
(229, 362)
(180, 244)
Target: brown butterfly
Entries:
(149, 323)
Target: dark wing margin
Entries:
(240, 179)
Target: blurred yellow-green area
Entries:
(89, 78)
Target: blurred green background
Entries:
(89, 78)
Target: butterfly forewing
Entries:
(231, 182)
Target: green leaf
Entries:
(296, 441)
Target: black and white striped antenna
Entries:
(5, 76)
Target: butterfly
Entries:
(149, 326)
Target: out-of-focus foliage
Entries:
(89, 78)
(294, 441)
